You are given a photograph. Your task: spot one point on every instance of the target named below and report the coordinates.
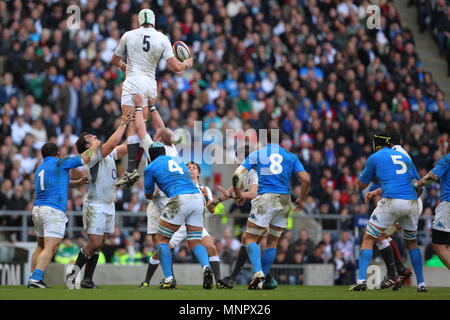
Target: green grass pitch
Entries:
(110, 292)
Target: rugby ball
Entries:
(181, 50)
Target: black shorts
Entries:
(440, 237)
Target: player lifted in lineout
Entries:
(440, 236)
(395, 172)
(185, 206)
(98, 206)
(156, 205)
(143, 48)
(49, 218)
(270, 209)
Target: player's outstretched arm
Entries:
(139, 115)
(177, 66)
(157, 121)
(305, 180)
(427, 179)
(87, 156)
(114, 140)
(78, 182)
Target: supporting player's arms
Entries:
(114, 140)
(305, 180)
(157, 122)
(139, 121)
(117, 61)
(177, 66)
(122, 150)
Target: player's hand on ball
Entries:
(84, 180)
(138, 100)
(189, 63)
(298, 205)
(123, 67)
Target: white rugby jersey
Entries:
(143, 47)
(102, 174)
(250, 178)
(399, 148)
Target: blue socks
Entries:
(201, 254)
(37, 275)
(254, 254)
(165, 257)
(267, 259)
(364, 259)
(416, 261)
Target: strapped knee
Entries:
(255, 231)
(275, 233)
(373, 231)
(166, 232)
(194, 235)
(409, 235)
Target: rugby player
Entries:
(143, 48)
(440, 237)
(270, 209)
(51, 181)
(185, 206)
(249, 192)
(98, 206)
(395, 172)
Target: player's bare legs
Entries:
(43, 259)
(443, 253)
(254, 233)
(37, 252)
(133, 141)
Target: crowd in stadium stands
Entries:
(434, 15)
(308, 67)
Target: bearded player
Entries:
(143, 47)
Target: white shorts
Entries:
(153, 215)
(441, 220)
(270, 209)
(49, 222)
(143, 85)
(390, 211)
(181, 235)
(99, 217)
(184, 209)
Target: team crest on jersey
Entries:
(374, 218)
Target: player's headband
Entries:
(380, 142)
